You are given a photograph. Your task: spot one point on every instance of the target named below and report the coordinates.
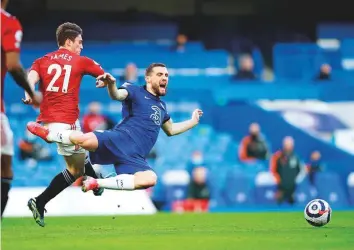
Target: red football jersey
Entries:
(11, 36)
(60, 75)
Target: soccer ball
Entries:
(318, 213)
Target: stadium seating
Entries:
(296, 61)
(232, 183)
(338, 31)
(302, 61)
(238, 189)
(265, 188)
(334, 193)
(234, 186)
(113, 31)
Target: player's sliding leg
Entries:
(89, 141)
(68, 137)
(51, 135)
(140, 180)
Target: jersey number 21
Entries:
(58, 70)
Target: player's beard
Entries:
(160, 91)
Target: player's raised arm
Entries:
(171, 128)
(108, 80)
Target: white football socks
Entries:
(119, 182)
(61, 137)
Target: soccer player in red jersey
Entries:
(11, 36)
(59, 74)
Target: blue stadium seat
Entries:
(176, 185)
(176, 192)
(265, 188)
(304, 192)
(335, 30)
(115, 31)
(258, 61)
(119, 55)
(347, 48)
(238, 189)
(146, 31)
(335, 193)
(297, 61)
(158, 192)
(216, 178)
(333, 58)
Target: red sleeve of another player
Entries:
(11, 41)
(90, 67)
(35, 66)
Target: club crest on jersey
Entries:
(156, 116)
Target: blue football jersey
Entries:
(143, 116)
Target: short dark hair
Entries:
(67, 31)
(152, 66)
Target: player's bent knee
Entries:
(145, 179)
(88, 141)
(76, 137)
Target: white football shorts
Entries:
(66, 150)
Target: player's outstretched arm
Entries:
(171, 128)
(108, 80)
(17, 72)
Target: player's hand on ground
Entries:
(196, 115)
(103, 80)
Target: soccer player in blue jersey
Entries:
(130, 141)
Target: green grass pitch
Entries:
(273, 230)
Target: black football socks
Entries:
(57, 185)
